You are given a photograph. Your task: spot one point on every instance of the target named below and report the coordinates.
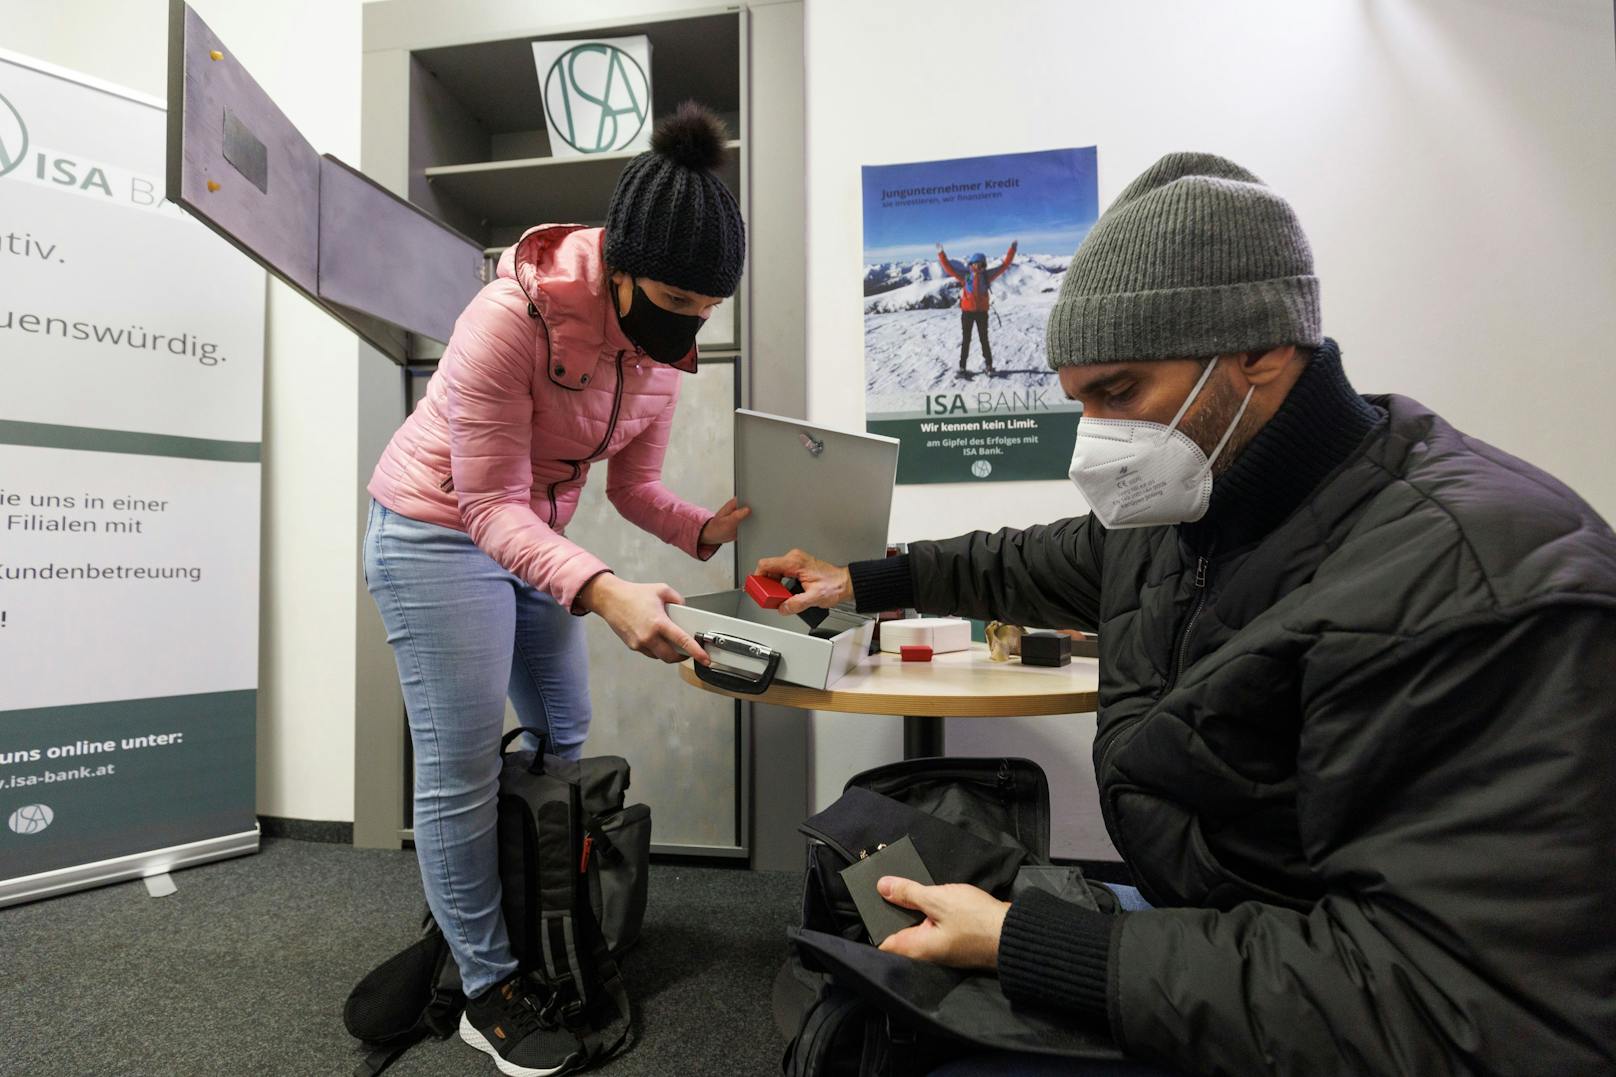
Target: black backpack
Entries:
(853, 1011)
(573, 864)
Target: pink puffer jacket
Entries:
(537, 384)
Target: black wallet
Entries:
(881, 917)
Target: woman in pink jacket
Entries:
(572, 356)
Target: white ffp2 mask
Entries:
(1135, 473)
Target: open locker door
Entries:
(383, 267)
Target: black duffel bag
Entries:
(854, 1011)
(573, 865)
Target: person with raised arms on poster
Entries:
(976, 281)
(920, 304)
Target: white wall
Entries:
(1452, 161)
(305, 53)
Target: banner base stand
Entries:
(120, 869)
(160, 885)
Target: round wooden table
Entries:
(963, 684)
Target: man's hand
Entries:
(823, 584)
(961, 928)
(939, 248)
(722, 527)
(638, 614)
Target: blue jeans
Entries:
(466, 633)
(1129, 897)
(1009, 1064)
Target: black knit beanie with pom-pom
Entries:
(671, 218)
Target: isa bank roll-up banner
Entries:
(131, 382)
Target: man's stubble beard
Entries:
(1210, 417)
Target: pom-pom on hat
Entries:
(671, 218)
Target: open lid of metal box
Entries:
(824, 491)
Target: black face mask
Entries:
(663, 335)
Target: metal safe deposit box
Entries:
(824, 491)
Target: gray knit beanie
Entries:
(1197, 257)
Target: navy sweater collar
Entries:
(1319, 424)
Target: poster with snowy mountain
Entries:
(963, 259)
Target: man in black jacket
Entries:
(1357, 721)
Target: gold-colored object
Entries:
(215, 55)
(212, 186)
(1004, 641)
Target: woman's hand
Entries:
(961, 928)
(722, 527)
(823, 584)
(638, 614)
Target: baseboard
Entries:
(330, 832)
(699, 860)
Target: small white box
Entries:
(941, 634)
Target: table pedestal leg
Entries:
(922, 737)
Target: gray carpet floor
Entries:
(245, 969)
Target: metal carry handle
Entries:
(735, 680)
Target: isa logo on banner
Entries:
(26, 160)
(597, 94)
(13, 136)
(31, 818)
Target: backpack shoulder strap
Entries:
(827, 1034)
(382, 1057)
(573, 951)
(557, 834)
(603, 1041)
(425, 973)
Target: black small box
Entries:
(1046, 649)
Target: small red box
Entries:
(915, 654)
(767, 591)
